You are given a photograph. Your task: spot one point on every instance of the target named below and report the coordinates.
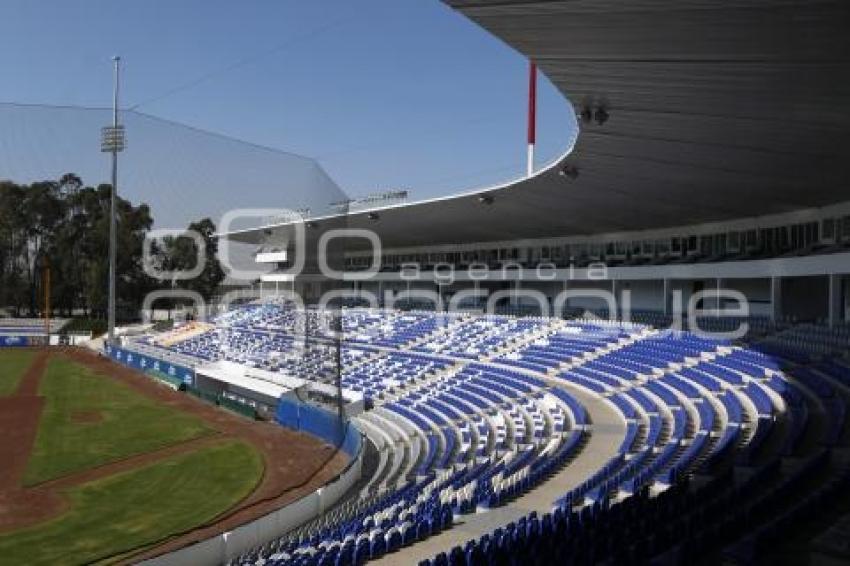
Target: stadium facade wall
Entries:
(805, 297)
(811, 265)
(753, 278)
(750, 232)
(646, 295)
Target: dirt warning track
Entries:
(19, 417)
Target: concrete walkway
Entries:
(607, 432)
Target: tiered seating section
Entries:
(804, 342)
(468, 412)
(29, 326)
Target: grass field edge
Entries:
(138, 550)
(36, 476)
(67, 495)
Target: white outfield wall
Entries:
(226, 546)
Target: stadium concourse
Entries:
(494, 437)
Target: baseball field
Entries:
(101, 464)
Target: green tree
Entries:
(66, 224)
(180, 253)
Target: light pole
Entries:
(112, 141)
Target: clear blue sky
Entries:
(384, 93)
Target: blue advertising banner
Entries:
(320, 423)
(13, 341)
(148, 364)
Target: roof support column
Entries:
(775, 298)
(562, 314)
(836, 303)
(719, 289)
(615, 292)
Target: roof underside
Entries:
(718, 109)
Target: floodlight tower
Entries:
(112, 141)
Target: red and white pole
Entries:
(532, 115)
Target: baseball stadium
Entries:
(634, 349)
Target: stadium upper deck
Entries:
(709, 154)
(690, 113)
